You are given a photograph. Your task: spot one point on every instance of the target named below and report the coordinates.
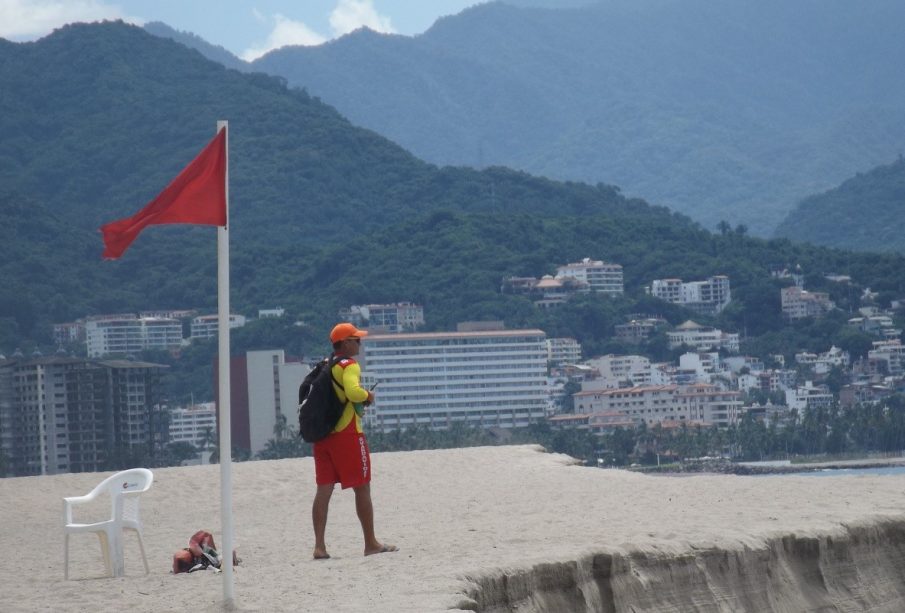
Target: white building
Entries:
(483, 378)
(130, 334)
(275, 312)
(381, 318)
(703, 365)
(737, 362)
(809, 396)
(798, 303)
(824, 362)
(273, 388)
(563, 351)
(892, 353)
(600, 276)
(169, 313)
(615, 371)
(206, 326)
(70, 332)
(702, 338)
(665, 403)
(707, 297)
(193, 424)
(710, 404)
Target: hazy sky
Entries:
(248, 28)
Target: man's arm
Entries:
(352, 384)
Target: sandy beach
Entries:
(468, 523)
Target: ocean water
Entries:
(838, 472)
(885, 471)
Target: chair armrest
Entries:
(71, 501)
(78, 499)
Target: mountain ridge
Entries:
(865, 213)
(729, 111)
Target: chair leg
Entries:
(115, 542)
(141, 545)
(105, 549)
(66, 557)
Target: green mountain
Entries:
(866, 212)
(730, 110)
(98, 118)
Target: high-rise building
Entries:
(264, 391)
(61, 414)
(482, 378)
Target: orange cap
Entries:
(341, 332)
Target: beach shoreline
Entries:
(727, 467)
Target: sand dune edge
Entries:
(860, 570)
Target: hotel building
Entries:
(193, 424)
(61, 414)
(263, 387)
(125, 334)
(665, 403)
(483, 378)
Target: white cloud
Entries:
(347, 15)
(350, 15)
(28, 19)
(285, 32)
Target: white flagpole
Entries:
(226, 503)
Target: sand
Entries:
(471, 524)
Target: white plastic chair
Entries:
(124, 489)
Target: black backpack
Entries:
(319, 406)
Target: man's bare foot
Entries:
(321, 554)
(380, 549)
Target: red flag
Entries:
(196, 196)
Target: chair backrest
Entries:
(132, 481)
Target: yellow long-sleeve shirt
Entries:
(348, 371)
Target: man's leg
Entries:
(365, 510)
(319, 518)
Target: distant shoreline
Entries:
(726, 467)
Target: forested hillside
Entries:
(866, 212)
(98, 118)
(730, 110)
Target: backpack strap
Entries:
(334, 360)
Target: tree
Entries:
(568, 402)
(176, 453)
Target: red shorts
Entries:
(343, 457)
